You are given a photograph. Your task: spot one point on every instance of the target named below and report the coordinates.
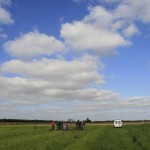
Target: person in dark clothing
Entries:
(78, 125)
(61, 125)
(57, 125)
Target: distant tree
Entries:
(88, 120)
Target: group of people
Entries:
(60, 125)
(80, 125)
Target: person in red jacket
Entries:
(53, 125)
(67, 126)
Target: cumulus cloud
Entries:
(31, 92)
(5, 16)
(97, 1)
(130, 10)
(48, 86)
(131, 30)
(134, 10)
(47, 80)
(82, 36)
(95, 32)
(60, 73)
(103, 30)
(93, 103)
(33, 44)
(19, 92)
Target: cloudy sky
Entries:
(62, 59)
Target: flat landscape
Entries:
(94, 137)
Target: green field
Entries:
(130, 137)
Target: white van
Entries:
(117, 123)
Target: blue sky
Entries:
(75, 59)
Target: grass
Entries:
(131, 137)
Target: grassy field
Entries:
(102, 137)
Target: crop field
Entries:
(94, 137)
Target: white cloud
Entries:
(21, 91)
(33, 44)
(16, 93)
(93, 103)
(49, 85)
(97, 1)
(131, 30)
(103, 30)
(134, 10)
(130, 9)
(137, 101)
(95, 32)
(60, 73)
(82, 36)
(5, 17)
(47, 80)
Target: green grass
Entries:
(131, 137)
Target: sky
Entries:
(75, 59)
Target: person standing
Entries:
(67, 126)
(53, 125)
(83, 125)
(57, 125)
(78, 125)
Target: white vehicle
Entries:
(117, 123)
